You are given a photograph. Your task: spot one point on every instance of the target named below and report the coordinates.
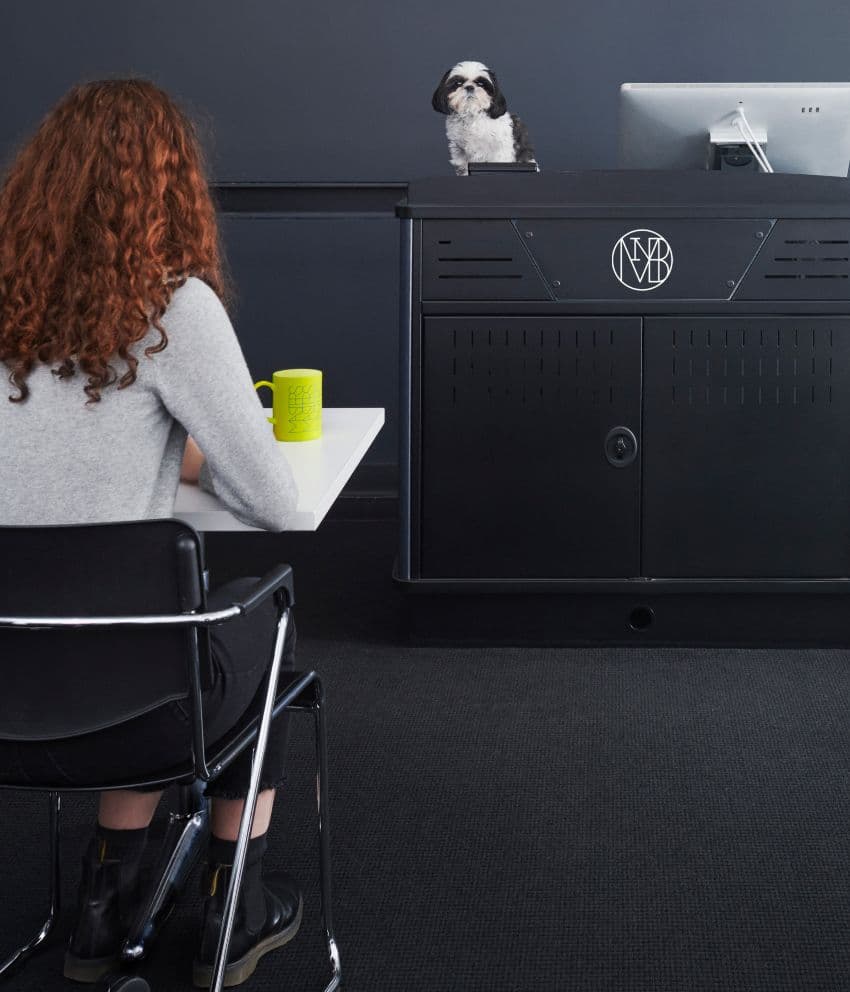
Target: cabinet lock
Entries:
(620, 447)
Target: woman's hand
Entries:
(193, 459)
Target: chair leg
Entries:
(247, 820)
(187, 830)
(324, 835)
(22, 953)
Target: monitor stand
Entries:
(733, 158)
(728, 152)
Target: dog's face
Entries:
(469, 88)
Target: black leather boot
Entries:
(268, 915)
(108, 897)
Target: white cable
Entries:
(761, 154)
(753, 145)
(743, 125)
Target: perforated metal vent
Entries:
(807, 260)
(537, 365)
(818, 258)
(477, 260)
(785, 363)
(473, 265)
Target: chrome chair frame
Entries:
(277, 583)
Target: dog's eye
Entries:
(455, 83)
(485, 85)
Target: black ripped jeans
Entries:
(241, 652)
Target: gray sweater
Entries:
(64, 462)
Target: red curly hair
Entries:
(103, 214)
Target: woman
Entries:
(117, 346)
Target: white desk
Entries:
(321, 468)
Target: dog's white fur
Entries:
(479, 138)
(478, 126)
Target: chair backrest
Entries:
(64, 683)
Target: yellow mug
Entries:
(296, 404)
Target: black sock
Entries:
(120, 845)
(222, 853)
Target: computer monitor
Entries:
(801, 127)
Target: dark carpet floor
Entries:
(582, 820)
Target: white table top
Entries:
(321, 468)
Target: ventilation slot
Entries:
(822, 260)
(477, 260)
(475, 267)
(801, 260)
(781, 363)
(540, 365)
(479, 275)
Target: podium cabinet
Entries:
(625, 404)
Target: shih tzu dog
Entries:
(478, 125)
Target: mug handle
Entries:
(265, 382)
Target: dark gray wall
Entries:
(335, 90)
(341, 91)
(321, 293)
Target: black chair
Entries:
(73, 601)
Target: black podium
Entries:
(626, 407)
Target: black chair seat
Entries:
(72, 601)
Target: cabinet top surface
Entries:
(622, 192)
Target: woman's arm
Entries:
(193, 459)
(203, 381)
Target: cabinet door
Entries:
(746, 455)
(515, 478)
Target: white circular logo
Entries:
(642, 260)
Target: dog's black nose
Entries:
(469, 88)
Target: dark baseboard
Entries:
(742, 620)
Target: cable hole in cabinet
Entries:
(641, 618)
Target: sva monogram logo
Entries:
(642, 260)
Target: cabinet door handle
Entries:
(621, 447)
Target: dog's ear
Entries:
(498, 103)
(440, 99)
